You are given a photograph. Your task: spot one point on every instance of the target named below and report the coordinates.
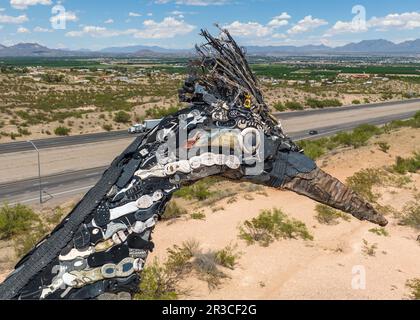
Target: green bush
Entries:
(314, 103)
(62, 131)
(107, 127)
(16, 220)
(293, 105)
(379, 232)
(402, 165)
(356, 102)
(272, 225)
(198, 216)
(157, 113)
(199, 191)
(363, 181)
(279, 106)
(227, 257)
(122, 117)
(173, 211)
(328, 215)
(384, 146)
(411, 215)
(157, 284)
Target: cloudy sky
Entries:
(95, 24)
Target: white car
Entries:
(143, 127)
(137, 128)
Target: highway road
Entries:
(115, 135)
(68, 184)
(326, 122)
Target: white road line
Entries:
(54, 195)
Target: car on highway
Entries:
(143, 127)
(313, 132)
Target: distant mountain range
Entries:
(367, 47)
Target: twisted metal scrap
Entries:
(101, 248)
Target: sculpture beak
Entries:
(322, 187)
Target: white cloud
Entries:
(255, 29)
(134, 14)
(249, 29)
(22, 30)
(40, 29)
(150, 14)
(24, 4)
(2, 9)
(169, 27)
(99, 32)
(13, 20)
(406, 20)
(400, 21)
(109, 21)
(307, 24)
(346, 27)
(200, 3)
(64, 16)
(281, 20)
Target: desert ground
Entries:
(323, 268)
(33, 108)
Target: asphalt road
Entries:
(78, 182)
(114, 135)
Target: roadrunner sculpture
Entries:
(101, 246)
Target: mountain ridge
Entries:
(378, 46)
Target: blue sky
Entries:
(95, 24)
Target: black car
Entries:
(313, 132)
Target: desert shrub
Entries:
(52, 78)
(272, 225)
(358, 137)
(356, 102)
(198, 216)
(157, 284)
(158, 113)
(279, 106)
(199, 191)
(414, 285)
(62, 131)
(384, 146)
(16, 220)
(227, 257)
(379, 232)
(369, 249)
(189, 257)
(411, 215)
(314, 103)
(122, 117)
(328, 215)
(107, 127)
(26, 242)
(314, 149)
(293, 105)
(173, 211)
(363, 182)
(404, 165)
(24, 132)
